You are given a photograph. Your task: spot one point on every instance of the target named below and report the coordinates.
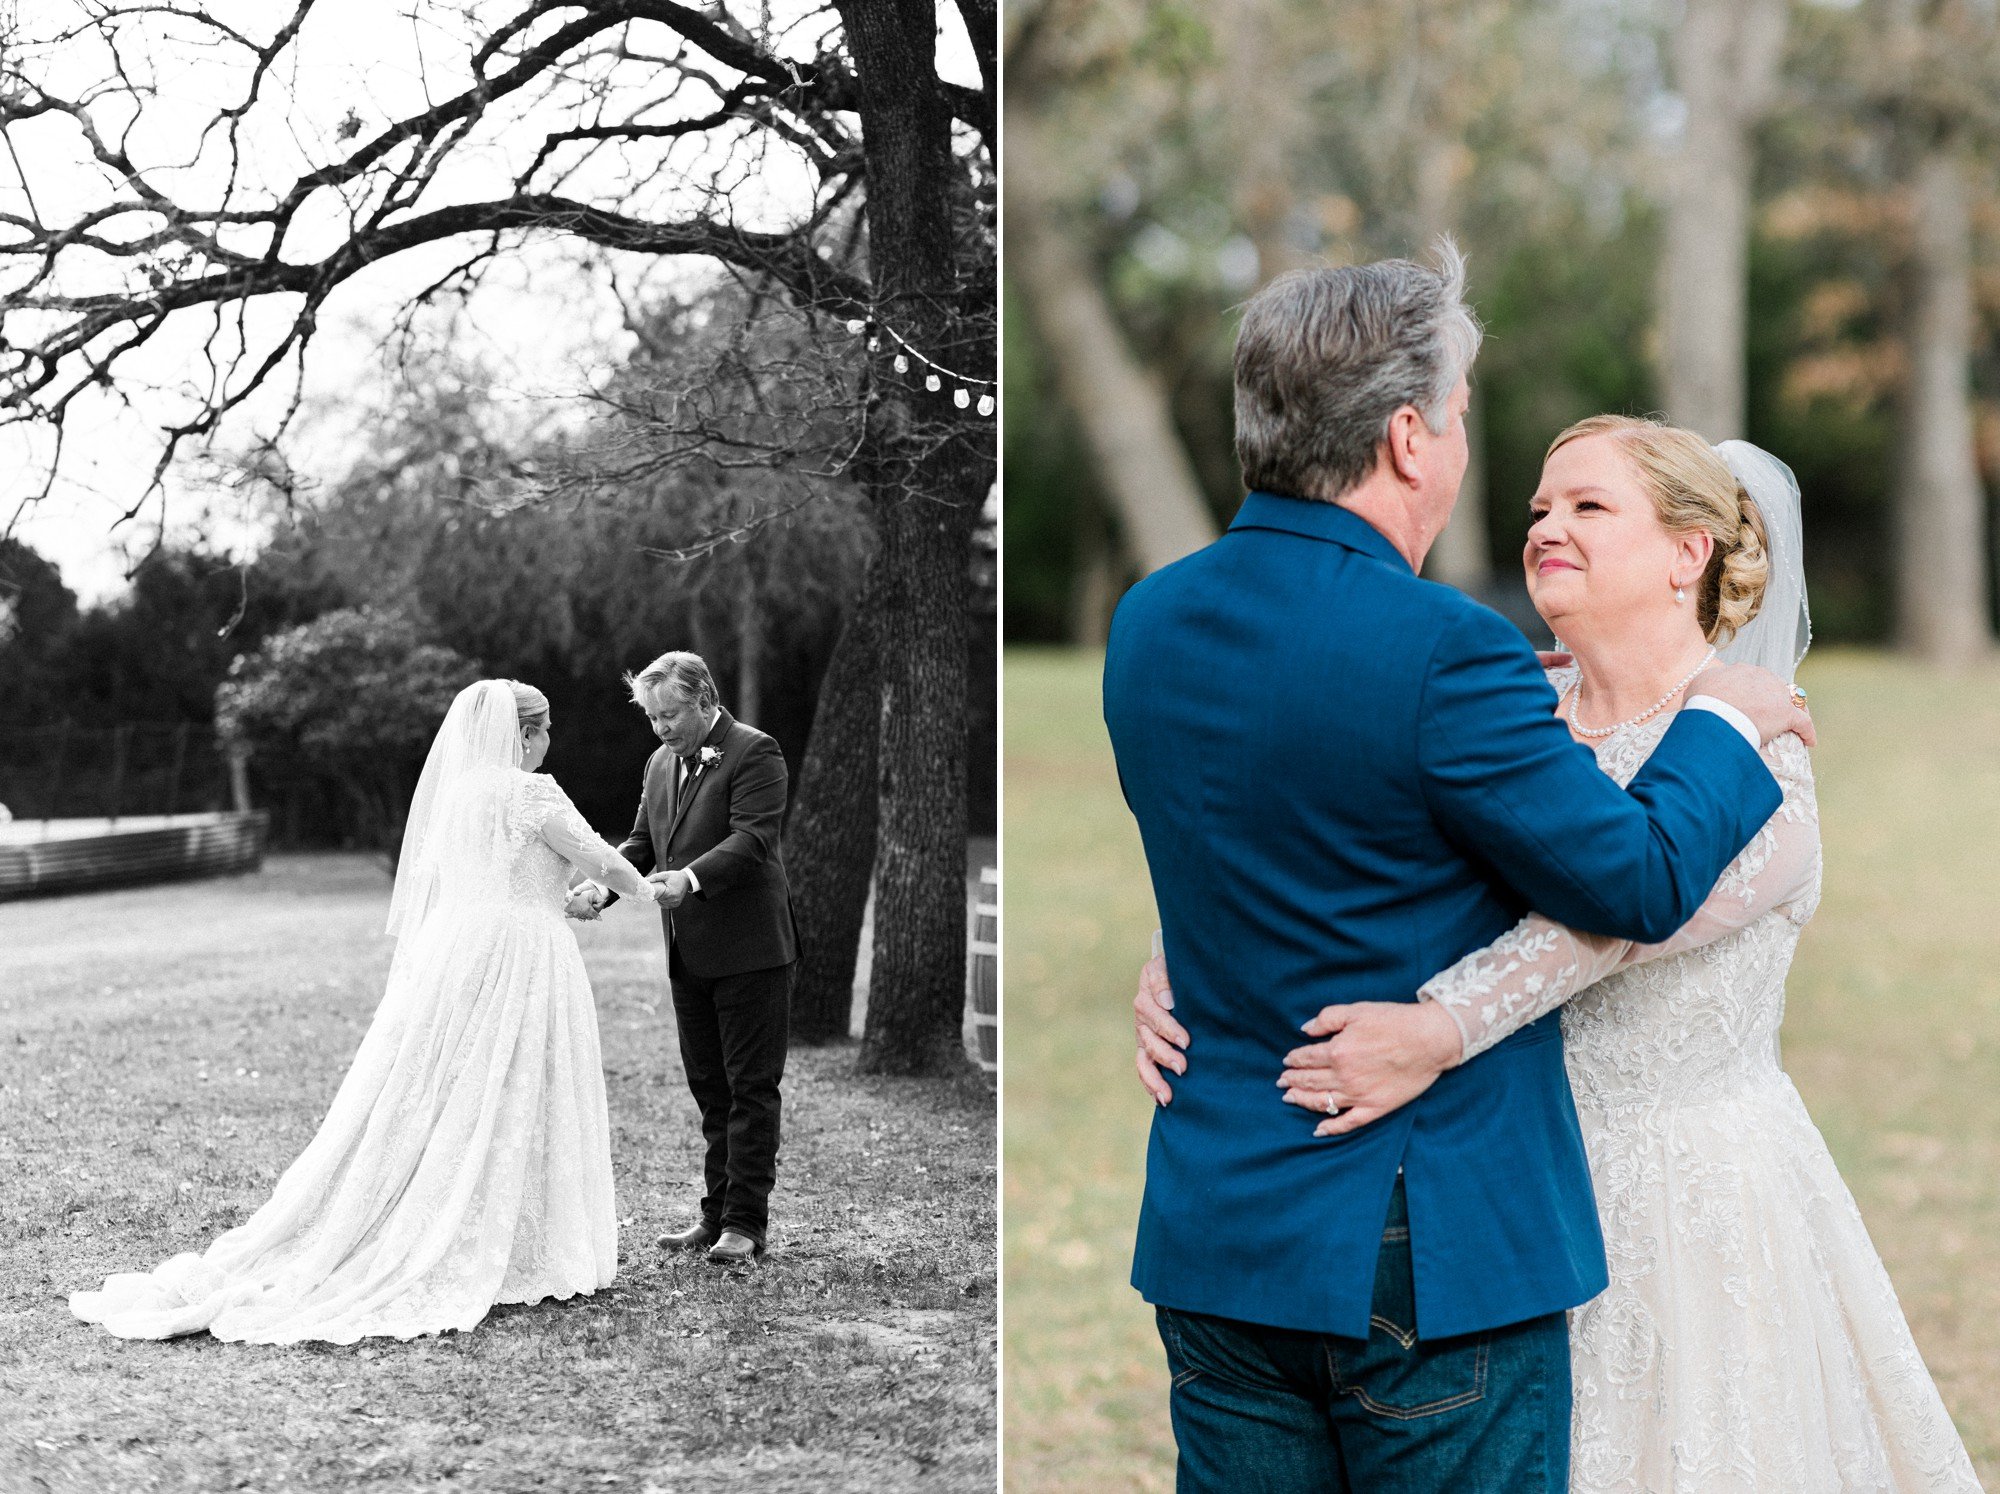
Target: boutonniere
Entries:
(708, 757)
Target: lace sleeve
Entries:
(1539, 964)
(547, 811)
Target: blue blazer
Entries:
(1346, 778)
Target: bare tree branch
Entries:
(87, 287)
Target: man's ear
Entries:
(1404, 426)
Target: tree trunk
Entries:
(927, 469)
(1725, 57)
(749, 604)
(1093, 584)
(917, 980)
(1120, 406)
(834, 824)
(1941, 594)
(1266, 119)
(1460, 556)
(715, 642)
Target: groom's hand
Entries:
(1773, 707)
(1378, 1056)
(1161, 1038)
(673, 887)
(585, 902)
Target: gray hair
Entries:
(684, 673)
(1325, 357)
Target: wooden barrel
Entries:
(984, 982)
(64, 858)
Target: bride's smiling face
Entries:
(1596, 548)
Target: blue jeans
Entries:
(1279, 1410)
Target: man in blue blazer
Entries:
(1346, 778)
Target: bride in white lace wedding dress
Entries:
(466, 1159)
(1750, 1341)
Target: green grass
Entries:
(1892, 1033)
(164, 1052)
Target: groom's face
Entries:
(1449, 453)
(677, 721)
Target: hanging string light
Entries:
(967, 390)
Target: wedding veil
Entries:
(1779, 635)
(481, 732)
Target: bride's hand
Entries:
(1160, 1037)
(1378, 1056)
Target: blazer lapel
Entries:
(683, 802)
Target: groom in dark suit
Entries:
(1346, 778)
(708, 830)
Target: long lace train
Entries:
(466, 1159)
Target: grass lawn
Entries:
(1892, 1033)
(166, 1051)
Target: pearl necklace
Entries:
(1652, 710)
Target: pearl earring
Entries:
(1680, 594)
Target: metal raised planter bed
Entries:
(52, 856)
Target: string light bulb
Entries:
(936, 375)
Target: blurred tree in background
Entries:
(37, 616)
(354, 697)
(1775, 219)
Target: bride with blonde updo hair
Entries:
(531, 707)
(1692, 488)
(466, 1160)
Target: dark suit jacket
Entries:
(1346, 778)
(726, 832)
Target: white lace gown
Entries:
(466, 1159)
(1750, 1339)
